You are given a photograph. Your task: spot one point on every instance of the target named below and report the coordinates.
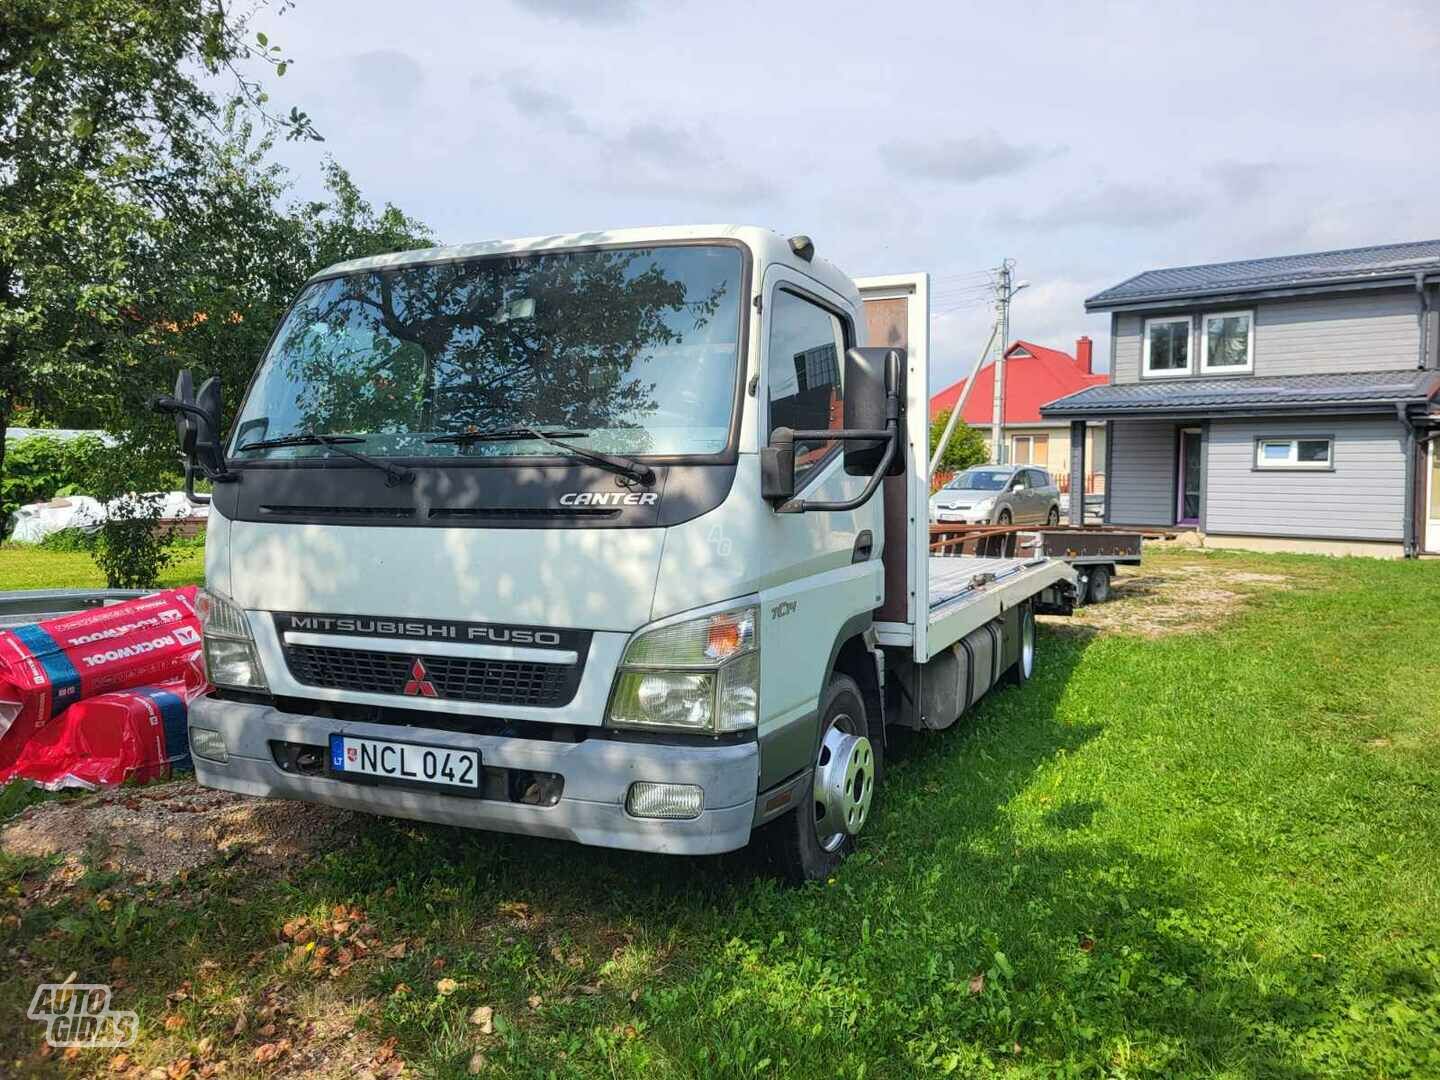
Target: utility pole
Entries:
(1004, 291)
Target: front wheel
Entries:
(1003, 518)
(1053, 518)
(810, 842)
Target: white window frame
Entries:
(1227, 369)
(1292, 462)
(1168, 373)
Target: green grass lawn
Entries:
(1211, 853)
(25, 566)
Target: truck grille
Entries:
(455, 678)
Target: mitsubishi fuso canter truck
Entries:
(619, 537)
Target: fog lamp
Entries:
(209, 744)
(652, 800)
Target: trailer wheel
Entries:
(1099, 586)
(810, 842)
(1024, 666)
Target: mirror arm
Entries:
(890, 434)
(190, 493)
(168, 404)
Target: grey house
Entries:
(1286, 403)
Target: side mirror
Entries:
(777, 466)
(207, 439)
(186, 428)
(874, 378)
(874, 417)
(197, 425)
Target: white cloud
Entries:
(1184, 141)
(967, 160)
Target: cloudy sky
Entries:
(1085, 140)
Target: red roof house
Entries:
(1034, 376)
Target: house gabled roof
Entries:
(1366, 391)
(1380, 265)
(1034, 374)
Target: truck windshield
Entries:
(980, 480)
(629, 351)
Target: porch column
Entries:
(1077, 473)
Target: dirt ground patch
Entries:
(151, 834)
(1166, 596)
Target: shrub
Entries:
(132, 545)
(43, 467)
(966, 447)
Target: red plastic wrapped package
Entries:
(110, 738)
(46, 667)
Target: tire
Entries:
(1099, 585)
(1053, 518)
(794, 841)
(1024, 666)
(1003, 518)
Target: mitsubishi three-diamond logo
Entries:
(419, 685)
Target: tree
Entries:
(106, 136)
(965, 449)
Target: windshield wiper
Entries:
(393, 476)
(623, 466)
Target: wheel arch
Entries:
(855, 657)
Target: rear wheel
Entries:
(1099, 585)
(1024, 666)
(810, 842)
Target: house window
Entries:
(807, 347)
(1030, 449)
(1227, 342)
(1316, 453)
(1167, 346)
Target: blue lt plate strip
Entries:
(172, 717)
(64, 678)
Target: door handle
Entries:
(864, 545)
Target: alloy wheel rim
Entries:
(844, 783)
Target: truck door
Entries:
(831, 578)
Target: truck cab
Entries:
(569, 536)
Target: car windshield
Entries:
(980, 480)
(629, 351)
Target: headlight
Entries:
(701, 675)
(230, 656)
(984, 506)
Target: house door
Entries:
(1432, 497)
(1187, 501)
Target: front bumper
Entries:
(959, 517)
(597, 776)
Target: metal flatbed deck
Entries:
(967, 591)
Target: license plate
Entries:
(372, 760)
(952, 517)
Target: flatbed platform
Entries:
(967, 591)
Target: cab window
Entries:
(806, 361)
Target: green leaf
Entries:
(262, 39)
(280, 68)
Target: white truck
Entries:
(618, 537)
